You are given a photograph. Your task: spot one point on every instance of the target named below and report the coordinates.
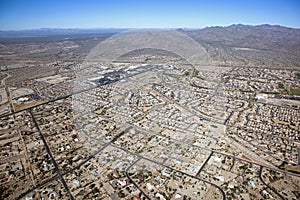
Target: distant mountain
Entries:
(43, 32)
(264, 37)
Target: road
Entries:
(176, 170)
(203, 165)
(4, 79)
(78, 92)
(132, 181)
(145, 158)
(262, 180)
(61, 175)
(52, 158)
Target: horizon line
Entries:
(98, 28)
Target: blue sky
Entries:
(28, 14)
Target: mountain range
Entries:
(263, 37)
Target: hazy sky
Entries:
(28, 14)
